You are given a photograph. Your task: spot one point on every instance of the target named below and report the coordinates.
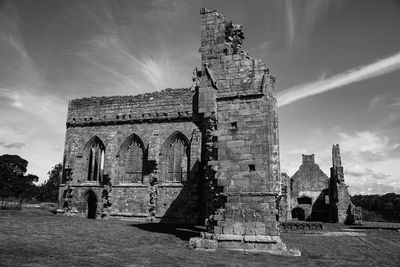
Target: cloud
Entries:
(139, 64)
(367, 157)
(375, 101)
(371, 156)
(369, 188)
(100, 48)
(367, 145)
(359, 171)
(12, 145)
(36, 123)
(396, 103)
(378, 68)
(300, 18)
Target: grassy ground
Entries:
(33, 237)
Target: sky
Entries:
(337, 65)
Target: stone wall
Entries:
(339, 195)
(283, 201)
(310, 182)
(148, 124)
(169, 104)
(239, 91)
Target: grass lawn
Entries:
(34, 237)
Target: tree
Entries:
(12, 169)
(23, 187)
(49, 190)
(376, 207)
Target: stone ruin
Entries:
(209, 153)
(313, 196)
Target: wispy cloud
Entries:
(359, 171)
(396, 103)
(12, 145)
(375, 102)
(300, 18)
(378, 68)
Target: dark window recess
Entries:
(252, 168)
(234, 125)
(95, 159)
(214, 154)
(176, 160)
(304, 200)
(131, 161)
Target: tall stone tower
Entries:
(236, 99)
(339, 197)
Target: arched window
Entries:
(95, 151)
(131, 156)
(176, 158)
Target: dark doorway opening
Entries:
(298, 213)
(91, 200)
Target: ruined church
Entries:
(209, 152)
(313, 196)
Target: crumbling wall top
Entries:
(226, 66)
(160, 105)
(336, 158)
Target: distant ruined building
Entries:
(313, 196)
(206, 153)
(210, 152)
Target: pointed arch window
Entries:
(95, 151)
(176, 158)
(131, 160)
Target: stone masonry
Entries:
(135, 133)
(316, 197)
(309, 190)
(239, 92)
(211, 151)
(341, 208)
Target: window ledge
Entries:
(176, 184)
(89, 183)
(130, 185)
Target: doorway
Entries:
(298, 213)
(91, 200)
